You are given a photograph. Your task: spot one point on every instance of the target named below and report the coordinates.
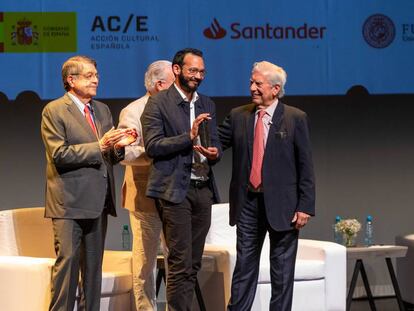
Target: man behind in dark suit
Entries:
(181, 180)
(272, 187)
(81, 147)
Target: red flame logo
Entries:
(215, 31)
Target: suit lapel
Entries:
(79, 117)
(198, 106)
(97, 118)
(275, 127)
(277, 117)
(250, 116)
(182, 110)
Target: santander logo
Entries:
(266, 31)
(215, 31)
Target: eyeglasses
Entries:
(257, 83)
(260, 84)
(194, 71)
(87, 76)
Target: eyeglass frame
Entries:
(194, 71)
(88, 76)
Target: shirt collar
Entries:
(195, 95)
(270, 110)
(78, 103)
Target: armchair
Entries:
(320, 274)
(405, 268)
(27, 256)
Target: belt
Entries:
(199, 183)
(251, 189)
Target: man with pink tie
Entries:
(272, 189)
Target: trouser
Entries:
(79, 246)
(251, 232)
(185, 228)
(146, 229)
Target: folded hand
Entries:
(300, 219)
(210, 153)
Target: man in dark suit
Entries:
(81, 147)
(181, 180)
(272, 188)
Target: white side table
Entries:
(373, 252)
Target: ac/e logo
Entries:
(117, 24)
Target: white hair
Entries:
(275, 75)
(155, 72)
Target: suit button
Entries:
(105, 175)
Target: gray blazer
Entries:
(78, 175)
(166, 129)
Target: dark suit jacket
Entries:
(288, 178)
(77, 173)
(166, 128)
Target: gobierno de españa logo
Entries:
(378, 31)
(30, 32)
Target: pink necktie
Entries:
(89, 118)
(258, 152)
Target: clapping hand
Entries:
(110, 138)
(130, 135)
(200, 118)
(117, 138)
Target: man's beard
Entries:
(184, 83)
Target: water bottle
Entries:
(369, 232)
(337, 234)
(126, 238)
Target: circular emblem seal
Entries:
(378, 31)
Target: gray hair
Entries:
(156, 72)
(74, 65)
(275, 75)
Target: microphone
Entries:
(91, 109)
(204, 132)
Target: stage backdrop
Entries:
(362, 144)
(325, 46)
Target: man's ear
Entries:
(276, 90)
(158, 86)
(176, 69)
(70, 80)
